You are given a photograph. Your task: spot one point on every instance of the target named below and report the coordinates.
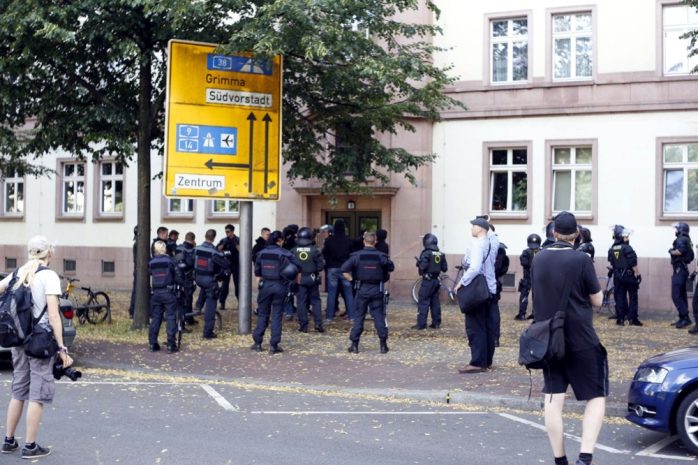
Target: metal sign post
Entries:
(245, 302)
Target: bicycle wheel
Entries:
(415, 290)
(98, 314)
(447, 296)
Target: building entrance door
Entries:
(356, 221)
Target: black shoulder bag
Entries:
(544, 341)
(476, 292)
(41, 343)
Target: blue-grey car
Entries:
(664, 395)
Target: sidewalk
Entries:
(421, 365)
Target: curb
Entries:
(451, 397)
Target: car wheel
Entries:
(687, 421)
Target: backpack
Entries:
(16, 318)
(501, 262)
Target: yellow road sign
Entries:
(223, 124)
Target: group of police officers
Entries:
(289, 264)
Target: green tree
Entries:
(692, 35)
(89, 76)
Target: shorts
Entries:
(586, 370)
(32, 378)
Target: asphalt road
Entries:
(107, 420)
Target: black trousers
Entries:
(369, 298)
(429, 298)
(679, 295)
(225, 285)
(480, 327)
(270, 307)
(162, 303)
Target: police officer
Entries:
(312, 264)
(184, 259)
(585, 244)
(276, 269)
(431, 263)
(230, 245)
(533, 242)
(172, 239)
(163, 300)
(368, 270)
(681, 253)
(208, 264)
(626, 277)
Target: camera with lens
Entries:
(59, 371)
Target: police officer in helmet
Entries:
(626, 277)
(163, 300)
(312, 264)
(681, 253)
(208, 265)
(533, 241)
(276, 269)
(368, 270)
(431, 263)
(184, 259)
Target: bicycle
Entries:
(95, 310)
(447, 284)
(608, 303)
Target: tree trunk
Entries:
(142, 310)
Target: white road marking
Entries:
(347, 412)
(657, 446)
(219, 398)
(567, 435)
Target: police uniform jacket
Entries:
(369, 265)
(271, 260)
(432, 262)
(526, 258)
(208, 261)
(622, 257)
(310, 258)
(162, 272)
(683, 244)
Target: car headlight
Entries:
(651, 375)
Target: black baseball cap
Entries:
(565, 223)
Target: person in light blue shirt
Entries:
(480, 324)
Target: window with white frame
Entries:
(111, 188)
(678, 20)
(225, 207)
(680, 173)
(180, 206)
(13, 195)
(508, 180)
(572, 179)
(73, 188)
(509, 50)
(572, 46)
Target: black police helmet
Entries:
(430, 240)
(682, 228)
(618, 232)
(305, 233)
(289, 272)
(533, 241)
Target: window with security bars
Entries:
(572, 46)
(509, 50)
(69, 266)
(572, 179)
(108, 267)
(73, 189)
(508, 180)
(680, 178)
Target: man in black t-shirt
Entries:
(562, 277)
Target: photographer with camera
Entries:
(31, 377)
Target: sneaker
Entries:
(9, 447)
(36, 452)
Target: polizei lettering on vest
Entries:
(243, 99)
